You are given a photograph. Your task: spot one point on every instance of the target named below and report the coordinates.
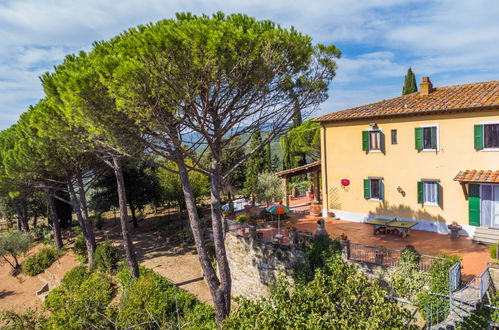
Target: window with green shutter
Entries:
(420, 192)
(367, 189)
(478, 136)
(474, 204)
(429, 192)
(419, 138)
(365, 140)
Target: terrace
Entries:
(475, 256)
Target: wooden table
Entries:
(381, 226)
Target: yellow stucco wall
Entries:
(402, 166)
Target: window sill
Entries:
(489, 149)
(374, 151)
(430, 204)
(429, 150)
(375, 200)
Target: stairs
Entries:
(50, 282)
(486, 235)
(463, 304)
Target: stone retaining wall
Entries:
(255, 264)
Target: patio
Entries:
(475, 256)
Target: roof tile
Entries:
(477, 176)
(459, 97)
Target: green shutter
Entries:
(474, 204)
(434, 138)
(439, 194)
(367, 189)
(419, 138)
(478, 136)
(381, 141)
(420, 192)
(365, 140)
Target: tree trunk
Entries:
(134, 217)
(22, 216)
(35, 219)
(84, 207)
(223, 292)
(89, 239)
(55, 221)
(127, 241)
(208, 270)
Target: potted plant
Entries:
(330, 214)
(454, 228)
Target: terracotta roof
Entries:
(300, 169)
(478, 176)
(451, 98)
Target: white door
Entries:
(495, 208)
(487, 199)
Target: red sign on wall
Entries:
(345, 182)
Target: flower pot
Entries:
(315, 209)
(330, 214)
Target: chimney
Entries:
(426, 87)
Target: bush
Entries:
(339, 297)
(269, 188)
(151, 297)
(80, 301)
(407, 281)
(241, 219)
(13, 245)
(80, 246)
(316, 253)
(38, 262)
(42, 233)
(265, 215)
(11, 320)
(493, 251)
(106, 257)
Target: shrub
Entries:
(11, 320)
(407, 281)
(438, 283)
(269, 188)
(241, 218)
(316, 253)
(493, 251)
(339, 297)
(151, 297)
(13, 245)
(80, 301)
(80, 246)
(38, 262)
(265, 215)
(42, 233)
(106, 257)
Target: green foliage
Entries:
(407, 281)
(80, 247)
(269, 188)
(316, 252)
(493, 251)
(410, 85)
(338, 297)
(31, 320)
(241, 218)
(265, 215)
(80, 301)
(256, 163)
(437, 283)
(303, 140)
(153, 300)
(106, 257)
(38, 262)
(42, 233)
(13, 245)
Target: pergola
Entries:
(314, 168)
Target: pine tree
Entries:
(410, 85)
(256, 163)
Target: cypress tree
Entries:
(256, 163)
(410, 85)
(268, 158)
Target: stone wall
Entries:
(255, 265)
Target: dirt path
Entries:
(178, 264)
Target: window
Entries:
(372, 140)
(429, 192)
(394, 136)
(487, 136)
(491, 136)
(373, 189)
(427, 138)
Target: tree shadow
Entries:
(6, 293)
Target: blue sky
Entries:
(453, 42)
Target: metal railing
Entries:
(385, 257)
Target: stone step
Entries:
(487, 234)
(484, 240)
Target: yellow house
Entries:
(431, 156)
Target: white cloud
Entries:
(453, 41)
